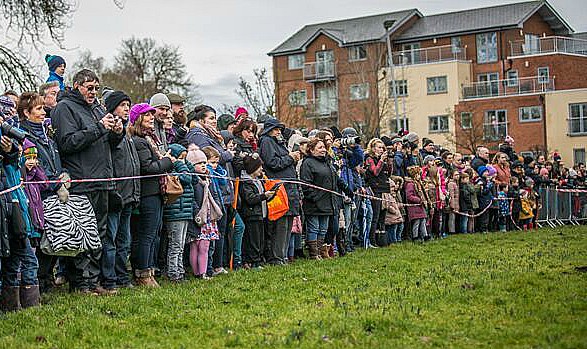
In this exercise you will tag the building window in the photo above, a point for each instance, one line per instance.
(411, 53)
(438, 124)
(512, 78)
(543, 75)
(436, 84)
(531, 44)
(401, 88)
(357, 53)
(577, 119)
(487, 47)
(490, 84)
(529, 114)
(495, 125)
(579, 156)
(466, 120)
(455, 44)
(296, 61)
(297, 98)
(359, 91)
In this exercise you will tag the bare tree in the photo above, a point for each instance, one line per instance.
(258, 96)
(468, 135)
(86, 60)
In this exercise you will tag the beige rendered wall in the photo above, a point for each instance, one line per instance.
(557, 124)
(419, 105)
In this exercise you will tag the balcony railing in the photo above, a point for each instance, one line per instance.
(316, 71)
(549, 44)
(507, 87)
(429, 55)
(322, 109)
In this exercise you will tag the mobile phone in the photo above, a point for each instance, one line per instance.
(276, 186)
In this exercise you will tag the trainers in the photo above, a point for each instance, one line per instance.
(372, 246)
(105, 291)
(219, 271)
(88, 292)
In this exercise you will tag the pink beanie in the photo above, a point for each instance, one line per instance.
(239, 111)
(544, 171)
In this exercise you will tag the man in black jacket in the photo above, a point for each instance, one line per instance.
(85, 134)
(126, 164)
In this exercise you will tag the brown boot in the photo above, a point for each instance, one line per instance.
(323, 249)
(29, 296)
(313, 249)
(10, 298)
(154, 282)
(143, 278)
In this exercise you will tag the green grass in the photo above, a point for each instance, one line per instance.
(497, 290)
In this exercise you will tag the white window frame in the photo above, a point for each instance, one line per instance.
(512, 81)
(435, 80)
(362, 87)
(543, 79)
(500, 126)
(575, 160)
(470, 125)
(439, 123)
(292, 58)
(487, 47)
(355, 53)
(401, 87)
(529, 111)
(456, 45)
(581, 118)
(297, 98)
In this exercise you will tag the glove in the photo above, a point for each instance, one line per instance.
(63, 194)
(65, 179)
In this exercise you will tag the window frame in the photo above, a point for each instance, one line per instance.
(515, 80)
(436, 91)
(456, 48)
(356, 49)
(541, 77)
(470, 120)
(359, 85)
(289, 60)
(298, 92)
(400, 85)
(521, 110)
(577, 161)
(485, 48)
(487, 124)
(581, 118)
(439, 123)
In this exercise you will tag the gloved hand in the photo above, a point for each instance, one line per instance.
(65, 179)
(63, 194)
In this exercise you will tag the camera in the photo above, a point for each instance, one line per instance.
(13, 132)
(348, 141)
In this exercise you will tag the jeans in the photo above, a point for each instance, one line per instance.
(115, 249)
(378, 219)
(316, 227)
(279, 232)
(464, 223)
(452, 217)
(237, 240)
(23, 259)
(394, 232)
(151, 208)
(368, 219)
(177, 231)
(419, 228)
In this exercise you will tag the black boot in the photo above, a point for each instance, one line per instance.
(29, 296)
(299, 253)
(340, 244)
(10, 298)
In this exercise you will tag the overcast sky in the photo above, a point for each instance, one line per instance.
(223, 39)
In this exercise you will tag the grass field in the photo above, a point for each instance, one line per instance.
(523, 290)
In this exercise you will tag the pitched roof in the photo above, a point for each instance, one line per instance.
(345, 32)
(475, 20)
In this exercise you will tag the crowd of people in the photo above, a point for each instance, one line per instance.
(179, 195)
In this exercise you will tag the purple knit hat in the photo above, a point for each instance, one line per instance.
(137, 110)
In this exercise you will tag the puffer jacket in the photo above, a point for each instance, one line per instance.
(182, 209)
(126, 164)
(393, 214)
(279, 165)
(84, 144)
(318, 171)
(466, 197)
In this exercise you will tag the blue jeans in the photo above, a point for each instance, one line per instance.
(394, 232)
(367, 227)
(151, 208)
(115, 249)
(21, 259)
(177, 231)
(237, 240)
(316, 227)
(464, 223)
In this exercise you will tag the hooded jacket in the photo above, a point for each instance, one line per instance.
(202, 139)
(84, 143)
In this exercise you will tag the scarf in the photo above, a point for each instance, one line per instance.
(213, 133)
(37, 130)
(218, 182)
(153, 140)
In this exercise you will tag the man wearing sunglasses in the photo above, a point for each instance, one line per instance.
(85, 133)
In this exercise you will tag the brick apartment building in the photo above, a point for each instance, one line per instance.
(462, 78)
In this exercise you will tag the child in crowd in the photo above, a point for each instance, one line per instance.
(516, 204)
(179, 213)
(207, 212)
(526, 211)
(394, 222)
(504, 207)
(485, 197)
(34, 173)
(253, 210)
(56, 65)
(453, 200)
(416, 196)
(467, 200)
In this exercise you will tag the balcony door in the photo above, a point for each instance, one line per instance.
(489, 84)
(324, 64)
(326, 100)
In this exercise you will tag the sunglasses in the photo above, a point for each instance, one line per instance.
(91, 88)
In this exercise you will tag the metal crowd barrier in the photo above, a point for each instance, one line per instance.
(562, 206)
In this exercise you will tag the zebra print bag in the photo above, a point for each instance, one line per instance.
(70, 228)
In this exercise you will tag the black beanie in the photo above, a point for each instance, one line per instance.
(54, 61)
(426, 141)
(113, 100)
(387, 141)
(252, 163)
